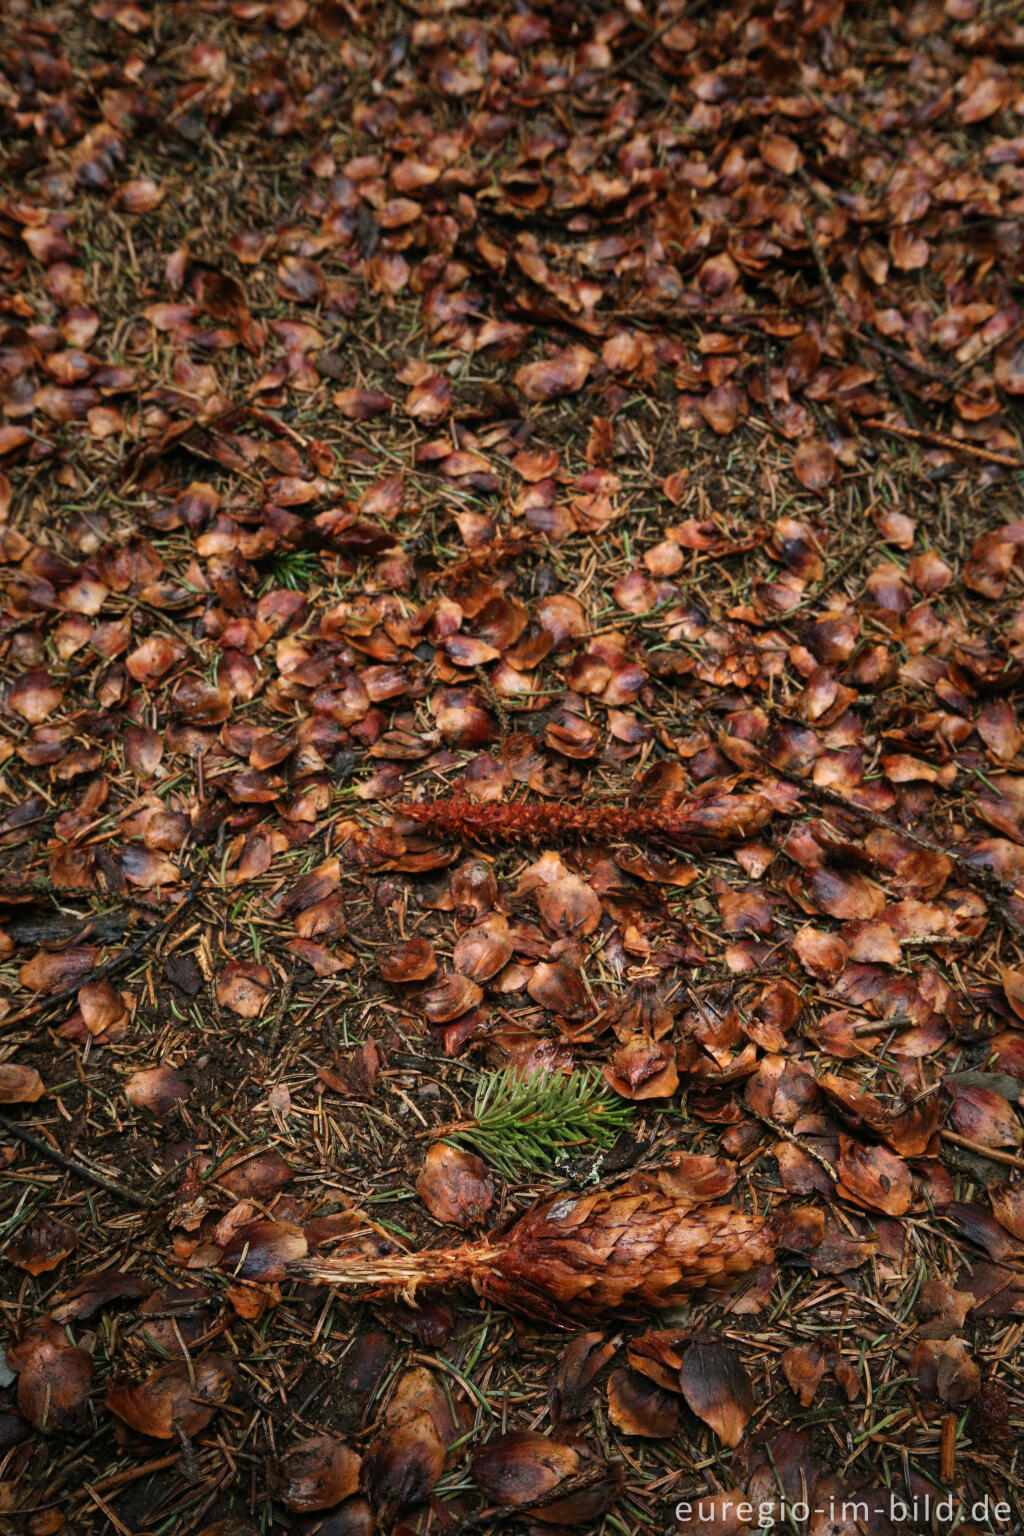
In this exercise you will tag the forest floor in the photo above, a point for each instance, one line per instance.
(414, 412)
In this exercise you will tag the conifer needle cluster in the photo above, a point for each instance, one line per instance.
(523, 1123)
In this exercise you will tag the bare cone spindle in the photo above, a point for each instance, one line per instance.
(712, 820)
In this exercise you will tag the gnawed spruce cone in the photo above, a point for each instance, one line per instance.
(712, 819)
(579, 1254)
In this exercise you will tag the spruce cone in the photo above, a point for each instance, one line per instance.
(580, 1254)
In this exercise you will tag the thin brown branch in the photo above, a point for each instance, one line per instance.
(71, 1165)
(1009, 1159)
(943, 440)
(982, 879)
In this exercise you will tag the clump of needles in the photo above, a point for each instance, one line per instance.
(524, 1122)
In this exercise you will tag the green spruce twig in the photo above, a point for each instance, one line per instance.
(522, 1123)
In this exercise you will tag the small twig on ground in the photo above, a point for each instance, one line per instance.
(819, 259)
(979, 1147)
(105, 1484)
(590, 1477)
(279, 1017)
(780, 1130)
(72, 1165)
(833, 110)
(106, 1510)
(986, 351)
(943, 440)
(138, 947)
(766, 380)
(985, 879)
(642, 48)
(132, 1474)
(904, 360)
(846, 325)
(857, 338)
(796, 1141)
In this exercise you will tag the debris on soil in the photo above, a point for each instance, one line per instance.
(510, 583)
